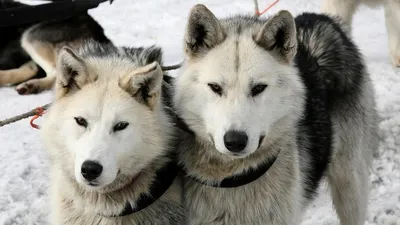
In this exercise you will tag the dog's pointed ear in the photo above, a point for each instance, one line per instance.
(72, 73)
(278, 35)
(144, 84)
(203, 31)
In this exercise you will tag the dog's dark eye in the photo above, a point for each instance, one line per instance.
(215, 88)
(258, 89)
(120, 126)
(81, 121)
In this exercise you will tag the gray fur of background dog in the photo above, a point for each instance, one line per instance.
(101, 85)
(300, 88)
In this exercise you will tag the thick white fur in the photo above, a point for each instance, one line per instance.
(233, 110)
(103, 97)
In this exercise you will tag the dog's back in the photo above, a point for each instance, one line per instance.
(340, 106)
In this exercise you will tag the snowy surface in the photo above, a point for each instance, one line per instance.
(23, 165)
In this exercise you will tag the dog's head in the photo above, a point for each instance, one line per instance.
(107, 122)
(239, 79)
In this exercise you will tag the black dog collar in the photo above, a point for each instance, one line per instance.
(241, 179)
(163, 180)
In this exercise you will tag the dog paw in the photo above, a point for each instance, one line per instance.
(29, 87)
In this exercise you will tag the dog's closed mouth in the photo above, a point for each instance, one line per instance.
(93, 184)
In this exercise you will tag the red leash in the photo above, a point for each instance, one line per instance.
(258, 13)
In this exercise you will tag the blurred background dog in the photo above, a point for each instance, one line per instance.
(346, 9)
(28, 52)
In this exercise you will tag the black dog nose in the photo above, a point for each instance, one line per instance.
(235, 141)
(91, 170)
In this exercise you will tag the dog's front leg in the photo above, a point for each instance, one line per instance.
(392, 20)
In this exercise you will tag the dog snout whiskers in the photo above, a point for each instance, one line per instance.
(91, 170)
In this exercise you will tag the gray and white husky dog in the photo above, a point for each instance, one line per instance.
(109, 136)
(273, 106)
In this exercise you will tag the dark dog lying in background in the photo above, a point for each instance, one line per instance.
(15, 64)
(28, 53)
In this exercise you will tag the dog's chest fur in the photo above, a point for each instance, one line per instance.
(267, 200)
(165, 211)
(252, 204)
(162, 212)
(70, 207)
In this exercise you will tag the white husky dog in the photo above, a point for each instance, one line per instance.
(274, 106)
(345, 9)
(107, 136)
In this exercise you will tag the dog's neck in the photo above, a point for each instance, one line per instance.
(202, 163)
(238, 180)
(162, 181)
(201, 166)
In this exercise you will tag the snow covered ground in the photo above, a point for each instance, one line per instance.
(23, 164)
